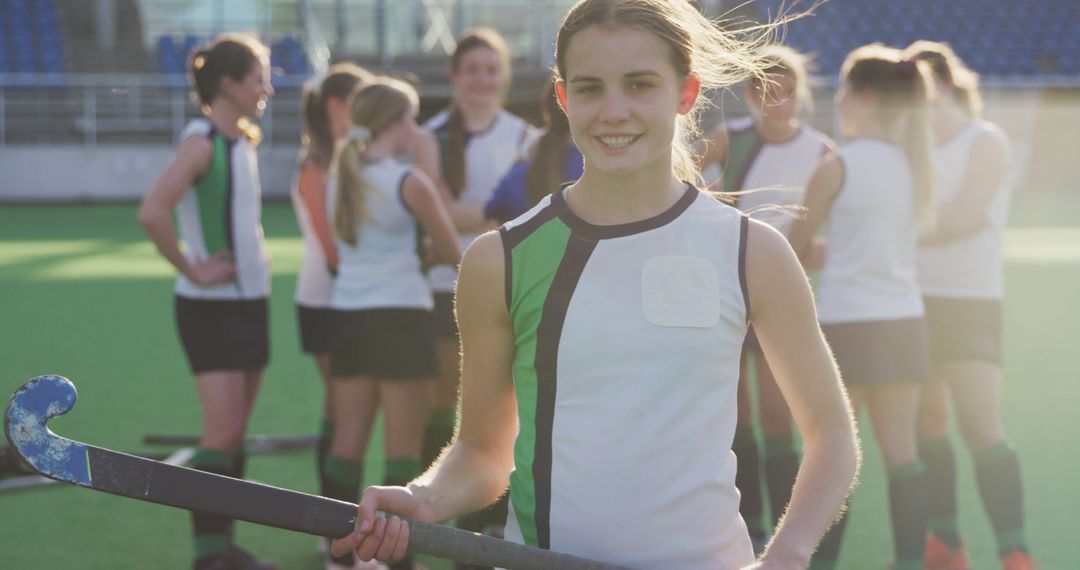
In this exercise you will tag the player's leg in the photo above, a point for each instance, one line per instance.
(893, 409)
(748, 454)
(976, 389)
(944, 547)
(781, 454)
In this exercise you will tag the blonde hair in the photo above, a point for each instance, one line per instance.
(949, 69)
(699, 46)
(903, 88)
(779, 59)
(375, 107)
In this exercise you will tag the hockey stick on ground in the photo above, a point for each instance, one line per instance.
(46, 397)
(253, 444)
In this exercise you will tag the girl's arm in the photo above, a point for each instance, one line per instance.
(155, 214)
(986, 174)
(312, 185)
(783, 315)
(474, 471)
(821, 190)
(422, 198)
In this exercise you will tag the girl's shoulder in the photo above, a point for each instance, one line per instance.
(197, 127)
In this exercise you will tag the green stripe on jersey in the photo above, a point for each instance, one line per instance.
(534, 262)
(740, 148)
(212, 191)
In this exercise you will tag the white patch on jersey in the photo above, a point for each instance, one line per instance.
(680, 291)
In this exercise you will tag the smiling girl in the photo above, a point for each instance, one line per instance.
(600, 385)
(221, 292)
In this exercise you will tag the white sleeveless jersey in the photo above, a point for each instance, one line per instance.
(314, 283)
(489, 155)
(772, 174)
(382, 271)
(627, 343)
(222, 211)
(969, 267)
(869, 271)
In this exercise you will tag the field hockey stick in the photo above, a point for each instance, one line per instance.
(46, 397)
(252, 444)
(178, 457)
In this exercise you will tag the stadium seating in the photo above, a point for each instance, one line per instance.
(1017, 38)
(286, 53)
(30, 37)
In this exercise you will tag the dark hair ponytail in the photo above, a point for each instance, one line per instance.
(229, 55)
(340, 81)
(548, 168)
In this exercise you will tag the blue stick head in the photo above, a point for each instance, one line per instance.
(32, 406)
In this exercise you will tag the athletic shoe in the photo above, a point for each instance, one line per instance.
(1018, 560)
(941, 556)
(243, 560)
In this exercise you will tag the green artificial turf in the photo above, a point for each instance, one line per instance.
(83, 294)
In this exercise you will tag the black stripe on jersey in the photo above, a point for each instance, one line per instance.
(229, 197)
(585, 229)
(744, 232)
(549, 333)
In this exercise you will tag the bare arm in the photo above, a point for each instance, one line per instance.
(155, 213)
(423, 200)
(782, 311)
(821, 190)
(312, 185)
(985, 175)
(474, 471)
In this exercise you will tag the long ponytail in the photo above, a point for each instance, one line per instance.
(903, 89)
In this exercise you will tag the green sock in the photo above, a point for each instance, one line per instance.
(438, 433)
(343, 477)
(401, 470)
(997, 472)
(908, 509)
(213, 533)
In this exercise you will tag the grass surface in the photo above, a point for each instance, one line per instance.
(84, 295)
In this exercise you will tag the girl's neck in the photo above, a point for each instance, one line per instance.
(477, 119)
(777, 132)
(225, 119)
(608, 199)
(949, 120)
(378, 149)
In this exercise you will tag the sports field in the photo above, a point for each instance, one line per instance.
(84, 295)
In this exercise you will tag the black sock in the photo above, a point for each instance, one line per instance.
(213, 533)
(781, 467)
(940, 462)
(908, 507)
(399, 471)
(997, 471)
(748, 481)
(342, 482)
(437, 435)
(322, 449)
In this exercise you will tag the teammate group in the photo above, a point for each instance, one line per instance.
(597, 352)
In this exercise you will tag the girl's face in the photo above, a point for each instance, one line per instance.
(250, 94)
(403, 132)
(478, 79)
(338, 112)
(777, 101)
(622, 96)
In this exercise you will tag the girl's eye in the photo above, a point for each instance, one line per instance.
(640, 85)
(588, 89)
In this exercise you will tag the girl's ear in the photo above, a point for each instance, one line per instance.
(560, 93)
(691, 88)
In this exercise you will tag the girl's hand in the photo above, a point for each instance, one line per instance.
(385, 539)
(217, 269)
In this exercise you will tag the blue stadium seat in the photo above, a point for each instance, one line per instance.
(1007, 38)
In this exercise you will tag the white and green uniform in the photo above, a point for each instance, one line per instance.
(222, 212)
(627, 343)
